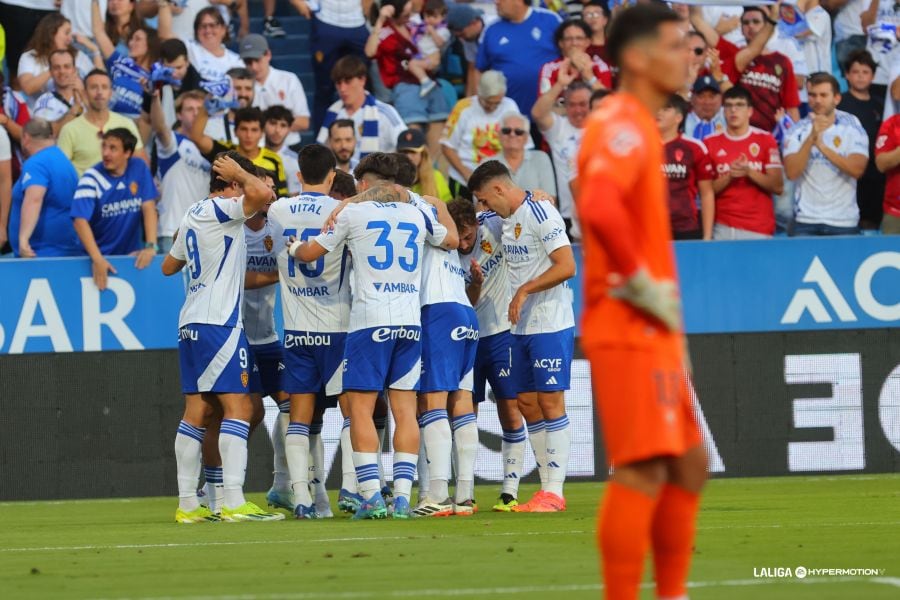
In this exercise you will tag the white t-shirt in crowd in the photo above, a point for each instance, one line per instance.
(183, 23)
(817, 45)
(564, 140)
(340, 13)
(78, 12)
(712, 14)
(5, 146)
(210, 66)
(882, 42)
(29, 63)
(847, 22)
(284, 88)
(474, 133)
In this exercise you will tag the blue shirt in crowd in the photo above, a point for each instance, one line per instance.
(519, 50)
(112, 205)
(127, 85)
(53, 235)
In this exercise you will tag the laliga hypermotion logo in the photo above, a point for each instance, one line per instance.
(808, 299)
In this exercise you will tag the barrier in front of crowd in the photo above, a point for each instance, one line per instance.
(794, 343)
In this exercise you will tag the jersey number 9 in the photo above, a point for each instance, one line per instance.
(193, 252)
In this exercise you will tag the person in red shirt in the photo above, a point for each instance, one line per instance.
(572, 37)
(768, 76)
(631, 327)
(748, 172)
(688, 171)
(391, 45)
(887, 159)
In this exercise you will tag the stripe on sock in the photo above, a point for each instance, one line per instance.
(346, 423)
(284, 407)
(404, 470)
(236, 428)
(367, 472)
(432, 416)
(295, 428)
(514, 436)
(380, 422)
(462, 420)
(189, 430)
(558, 424)
(315, 428)
(213, 474)
(537, 426)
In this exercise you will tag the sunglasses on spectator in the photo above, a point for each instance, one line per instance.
(511, 131)
(698, 51)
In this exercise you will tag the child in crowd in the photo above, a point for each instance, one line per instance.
(430, 35)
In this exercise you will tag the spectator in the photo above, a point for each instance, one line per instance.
(275, 87)
(530, 169)
(79, 139)
(472, 133)
(430, 35)
(278, 120)
(39, 223)
(343, 186)
(768, 76)
(121, 20)
(182, 170)
(378, 123)
(7, 233)
(248, 130)
(880, 20)
(221, 127)
(184, 78)
(19, 18)
(337, 29)
(114, 199)
(66, 101)
(129, 72)
(596, 15)
(748, 171)
(859, 102)
(342, 141)
(826, 153)
(563, 134)
(14, 113)
(688, 171)
(518, 45)
(726, 20)
(207, 51)
(572, 37)
(390, 44)
(849, 33)
(271, 26)
(814, 37)
(54, 32)
(468, 25)
(429, 181)
(887, 158)
(78, 12)
(706, 116)
(597, 97)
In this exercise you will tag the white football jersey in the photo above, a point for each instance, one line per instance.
(314, 296)
(211, 241)
(530, 235)
(386, 241)
(492, 308)
(442, 278)
(259, 304)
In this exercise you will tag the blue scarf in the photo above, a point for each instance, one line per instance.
(368, 137)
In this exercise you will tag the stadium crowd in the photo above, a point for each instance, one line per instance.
(763, 140)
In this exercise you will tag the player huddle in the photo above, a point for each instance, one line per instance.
(391, 301)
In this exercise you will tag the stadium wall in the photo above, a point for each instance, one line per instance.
(794, 342)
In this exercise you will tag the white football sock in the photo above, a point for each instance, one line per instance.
(187, 460)
(233, 449)
(380, 423)
(559, 439)
(348, 470)
(367, 473)
(281, 480)
(422, 466)
(214, 488)
(513, 448)
(436, 432)
(317, 463)
(296, 445)
(404, 472)
(465, 446)
(537, 435)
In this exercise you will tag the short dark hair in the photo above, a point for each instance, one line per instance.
(343, 185)
(171, 49)
(94, 72)
(822, 77)
(70, 52)
(242, 73)
(860, 57)
(757, 9)
(348, 67)
(485, 172)
(695, 33)
(251, 113)
(636, 23)
(406, 170)
(574, 22)
(434, 7)
(216, 184)
(599, 94)
(576, 86)
(462, 212)
(338, 123)
(380, 164)
(737, 92)
(278, 113)
(678, 102)
(128, 139)
(316, 162)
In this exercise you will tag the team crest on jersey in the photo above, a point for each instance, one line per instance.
(486, 245)
(319, 56)
(837, 141)
(778, 70)
(245, 378)
(281, 95)
(268, 243)
(518, 230)
(881, 141)
(679, 154)
(536, 34)
(754, 149)
(133, 186)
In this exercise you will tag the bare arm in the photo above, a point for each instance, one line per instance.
(702, 26)
(150, 218)
(32, 84)
(887, 160)
(772, 181)
(720, 183)
(164, 24)
(747, 54)
(561, 269)
(451, 240)
(172, 265)
(868, 16)
(256, 279)
(310, 251)
(300, 124)
(476, 279)
(794, 164)
(203, 142)
(472, 78)
(371, 48)
(158, 121)
(707, 208)
(542, 111)
(256, 192)
(103, 42)
(452, 157)
(100, 267)
(31, 210)
(853, 165)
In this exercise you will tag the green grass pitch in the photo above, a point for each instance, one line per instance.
(131, 549)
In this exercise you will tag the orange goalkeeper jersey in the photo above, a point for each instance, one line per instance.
(623, 209)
